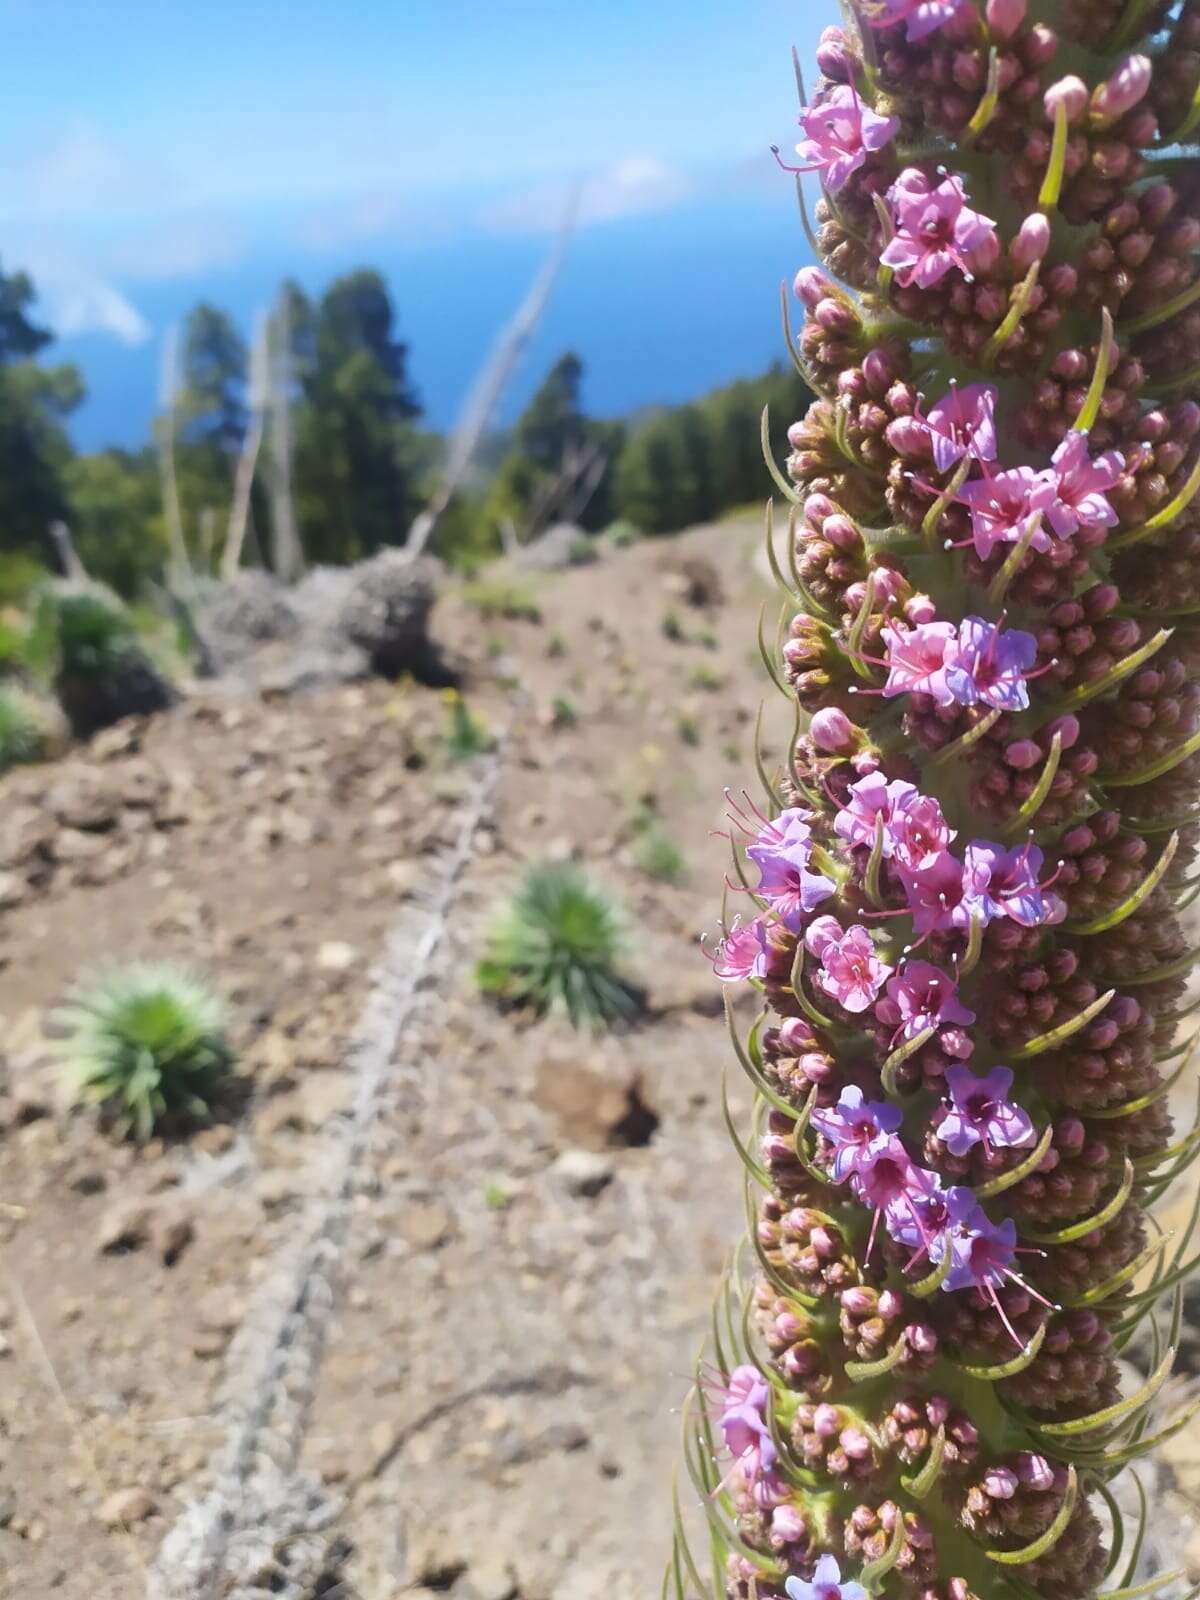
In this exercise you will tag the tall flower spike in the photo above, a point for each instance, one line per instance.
(964, 931)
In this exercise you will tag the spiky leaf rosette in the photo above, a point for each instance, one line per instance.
(555, 947)
(960, 902)
(147, 1042)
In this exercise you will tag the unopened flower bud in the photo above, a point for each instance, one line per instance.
(1004, 18)
(1070, 92)
(1125, 89)
(834, 56)
(831, 730)
(811, 286)
(1031, 242)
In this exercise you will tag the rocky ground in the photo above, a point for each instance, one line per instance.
(531, 1250)
(527, 1253)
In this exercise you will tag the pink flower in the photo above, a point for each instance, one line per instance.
(851, 972)
(839, 131)
(921, 996)
(915, 832)
(915, 660)
(742, 953)
(827, 1584)
(936, 230)
(923, 17)
(1002, 505)
(852, 1126)
(963, 423)
(1082, 481)
(935, 897)
(987, 666)
(1126, 88)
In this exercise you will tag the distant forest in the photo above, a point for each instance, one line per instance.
(321, 397)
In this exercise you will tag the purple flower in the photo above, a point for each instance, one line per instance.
(742, 1418)
(963, 423)
(884, 1176)
(918, 1218)
(936, 897)
(982, 1251)
(1081, 488)
(915, 658)
(922, 16)
(921, 996)
(1002, 505)
(1004, 883)
(987, 666)
(980, 1112)
(781, 851)
(850, 970)
(839, 131)
(936, 230)
(826, 1584)
(852, 1126)
(742, 953)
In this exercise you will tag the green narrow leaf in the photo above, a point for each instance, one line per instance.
(1090, 410)
(1101, 1291)
(873, 1574)
(1012, 563)
(1168, 969)
(899, 1056)
(1109, 680)
(1114, 1413)
(859, 628)
(749, 1066)
(924, 1287)
(786, 489)
(1037, 799)
(759, 1175)
(789, 340)
(1151, 1586)
(1016, 311)
(1039, 1547)
(772, 670)
(806, 1005)
(772, 558)
(1006, 1369)
(1153, 769)
(1080, 1230)
(1006, 1180)
(773, 796)
(864, 1371)
(959, 747)
(986, 109)
(920, 1484)
(1163, 312)
(1113, 918)
(874, 862)
(1052, 184)
(1113, 1459)
(974, 948)
(937, 510)
(1065, 1030)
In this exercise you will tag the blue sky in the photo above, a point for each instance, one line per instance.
(150, 146)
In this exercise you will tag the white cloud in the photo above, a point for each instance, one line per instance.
(631, 187)
(91, 306)
(79, 174)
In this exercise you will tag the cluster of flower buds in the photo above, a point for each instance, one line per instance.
(958, 904)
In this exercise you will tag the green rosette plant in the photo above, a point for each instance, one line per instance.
(960, 904)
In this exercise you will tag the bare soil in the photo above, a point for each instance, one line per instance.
(531, 1254)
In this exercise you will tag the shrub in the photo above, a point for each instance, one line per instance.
(555, 947)
(503, 597)
(85, 644)
(147, 1042)
(659, 857)
(688, 729)
(465, 735)
(24, 734)
(622, 533)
